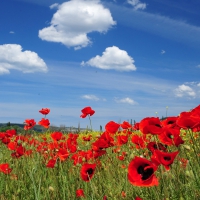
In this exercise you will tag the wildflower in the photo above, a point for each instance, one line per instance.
(188, 120)
(29, 123)
(87, 171)
(80, 193)
(112, 127)
(56, 136)
(44, 122)
(51, 163)
(152, 146)
(87, 111)
(139, 141)
(44, 111)
(164, 158)
(5, 168)
(126, 125)
(171, 136)
(138, 198)
(151, 125)
(141, 172)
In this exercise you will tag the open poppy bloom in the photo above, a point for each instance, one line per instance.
(44, 111)
(126, 125)
(87, 171)
(87, 111)
(29, 123)
(151, 125)
(141, 172)
(164, 158)
(56, 135)
(44, 122)
(152, 146)
(188, 120)
(112, 127)
(171, 136)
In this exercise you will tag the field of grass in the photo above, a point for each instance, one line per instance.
(152, 160)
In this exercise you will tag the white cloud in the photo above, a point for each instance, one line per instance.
(126, 100)
(137, 4)
(11, 32)
(12, 57)
(163, 52)
(90, 97)
(55, 5)
(198, 66)
(74, 20)
(198, 84)
(184, 90)
(112, 58)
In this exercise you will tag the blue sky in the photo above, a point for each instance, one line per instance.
(127, 59)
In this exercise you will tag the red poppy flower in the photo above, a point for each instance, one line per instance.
(122, 139)
(152, 146)
(112, 127)
(29, 123)
(164, 158)
(188, 120)
(44, 122)
(51, 163)
(11, 133)
(80, 193)
(87, 171)
(139, 141)
(125, 125)
(45, 111)
(56, 136)
(104, 141)
(151, 125)
(87, 111)
(171, 136)
(170, 122)
(5, 168)
(63, 154)
(136, 126)
(141, 172)
(20, 150)
(138, 198)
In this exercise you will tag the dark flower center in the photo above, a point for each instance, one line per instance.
(167, 158)
(158, 125)
(145, 173)
(170, 136)
(170, 122)
(90, 171)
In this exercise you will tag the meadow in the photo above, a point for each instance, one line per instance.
(151, 160)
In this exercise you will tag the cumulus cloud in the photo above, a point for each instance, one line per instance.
(74, 20)
(137, 4)
(185, 90)
(112, 58)
(90, 97)
(12, 57)
(126, 100)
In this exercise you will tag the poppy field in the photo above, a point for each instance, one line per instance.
(153, 159)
